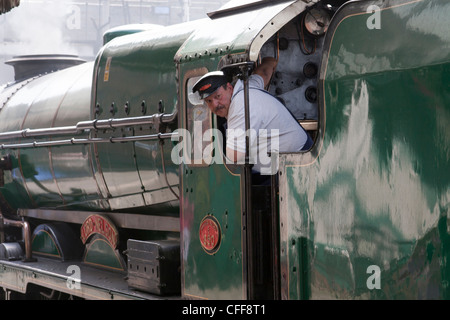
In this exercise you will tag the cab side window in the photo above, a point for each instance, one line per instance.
(198, 125)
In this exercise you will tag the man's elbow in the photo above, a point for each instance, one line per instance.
(266, 69)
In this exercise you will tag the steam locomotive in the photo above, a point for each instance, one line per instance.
(114, 184)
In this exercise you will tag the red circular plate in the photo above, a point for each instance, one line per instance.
(210, 234)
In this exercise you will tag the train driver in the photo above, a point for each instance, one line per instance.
(271, 123)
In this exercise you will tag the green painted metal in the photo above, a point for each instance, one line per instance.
(128, 29)
(233, 34)
(44, 177)
(58, 241)
(217, 189)
(213, 189)
(135, 77)
(140, 82)
(99, 253)
(373, 194)
(43, 243)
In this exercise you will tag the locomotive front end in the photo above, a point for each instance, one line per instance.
(86, 160)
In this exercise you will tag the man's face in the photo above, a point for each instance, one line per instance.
(219, 101)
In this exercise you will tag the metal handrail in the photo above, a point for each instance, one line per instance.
(55, 143)
(107, 124)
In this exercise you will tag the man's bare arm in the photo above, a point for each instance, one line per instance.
(266, 69)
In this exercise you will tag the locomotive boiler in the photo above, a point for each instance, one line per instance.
(114, 183)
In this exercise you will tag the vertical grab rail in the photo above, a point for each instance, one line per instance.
(248, 188)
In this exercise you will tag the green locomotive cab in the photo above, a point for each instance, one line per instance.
(218, 196)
